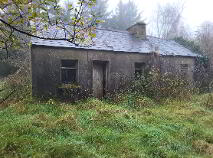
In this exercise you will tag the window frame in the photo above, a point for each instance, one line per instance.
(75, 67)
(142, 66)
(184, 69)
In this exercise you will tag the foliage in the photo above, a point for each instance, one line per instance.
(95, 128)
(162, 86)
(190, 44)
(9, 40)
(17, 86)
(100, 10)
(209, 101)
(6, 69)
(33, 18)
(204, 37)
(133, 100)
(203, 74)
(72, 92)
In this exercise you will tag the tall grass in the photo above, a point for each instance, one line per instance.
(94, 128)
(131, 125)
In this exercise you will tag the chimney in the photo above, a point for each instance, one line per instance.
(138, 30)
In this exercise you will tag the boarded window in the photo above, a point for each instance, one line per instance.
(139, 69)
(69, 71)
(184, 69)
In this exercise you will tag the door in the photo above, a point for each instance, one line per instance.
(99, 78)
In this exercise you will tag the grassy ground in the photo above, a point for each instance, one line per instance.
(102, 129)
(1, 88)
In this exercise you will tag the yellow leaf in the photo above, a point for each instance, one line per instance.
(34, 14)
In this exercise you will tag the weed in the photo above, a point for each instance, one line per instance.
(209, 101)
(133, 127)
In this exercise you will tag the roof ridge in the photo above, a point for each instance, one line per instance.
(123, 41)
(159, 38)
(112, 30)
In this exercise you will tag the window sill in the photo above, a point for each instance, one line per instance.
(69, 86)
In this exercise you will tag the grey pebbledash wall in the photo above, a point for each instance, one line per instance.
(46, 63)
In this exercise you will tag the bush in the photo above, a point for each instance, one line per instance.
(161, 86)
(209, 101)
(18, 85)
(6, 69)
(72, 92)
(133, 100)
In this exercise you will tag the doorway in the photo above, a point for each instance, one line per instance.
(99, 78)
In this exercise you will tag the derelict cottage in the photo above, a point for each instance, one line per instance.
(113, 57)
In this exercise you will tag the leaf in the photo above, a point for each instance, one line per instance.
(46, 27)
(99, 21)
(33, 28)
(70, 6)
(93, 35)
(34, 15)
(4, 1)
(10, 20)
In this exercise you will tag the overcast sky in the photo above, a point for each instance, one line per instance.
(195, 11)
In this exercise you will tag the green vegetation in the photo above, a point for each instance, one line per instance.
(155, 117)
(128, 127)
(6, 69)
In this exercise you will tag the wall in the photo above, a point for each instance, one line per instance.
(173, 65)
(46, 67)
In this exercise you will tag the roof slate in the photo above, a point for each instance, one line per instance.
(122, 41)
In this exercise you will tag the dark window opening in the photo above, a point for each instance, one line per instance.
(139, 70)
(68, 71)
(184, 69)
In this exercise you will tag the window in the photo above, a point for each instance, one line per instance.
(68, 71)
(139, 69)
(184, 69)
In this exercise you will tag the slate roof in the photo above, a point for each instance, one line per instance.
(122, 41)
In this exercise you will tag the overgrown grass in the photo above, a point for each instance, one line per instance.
(94, 128)
(2, 89)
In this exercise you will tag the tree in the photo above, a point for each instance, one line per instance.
(190, 44)
(167, 20)
(126, 14)
(67, 11)
(205, 39)
(34, 17)
(100, 9)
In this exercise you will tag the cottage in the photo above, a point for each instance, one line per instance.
(114, 57)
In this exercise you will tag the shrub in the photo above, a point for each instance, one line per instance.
(203, 147)
(203, 74)
(72, 92)
(6, 69)
(130, 99)
(209, 101)
(18, 85)
(161, 86)
(143, 102)
(154, 85)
